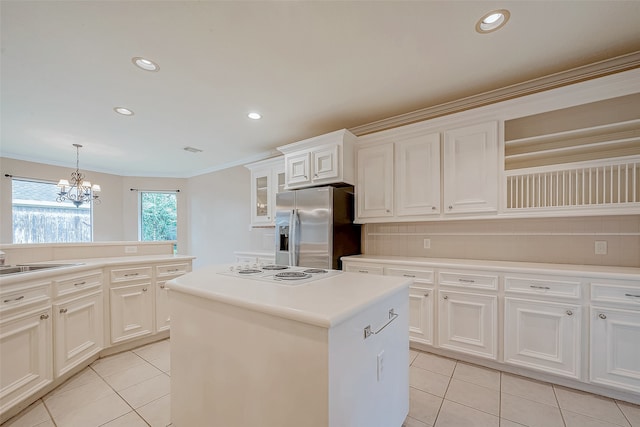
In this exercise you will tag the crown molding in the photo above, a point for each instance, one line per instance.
(564, 78)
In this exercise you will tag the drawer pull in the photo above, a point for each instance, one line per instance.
(632, 295)
(173, 270)
(569, 313)
(539, 287)
(363, 271)
(144, 289)
(63, 310)
(602, 316)
(445, 297)
(161, 286)
(80, 284)
(409, 275)
(367, 330)
(466, 280)
(131, 274)
(44, 316)
(427, 294)
(14, 299)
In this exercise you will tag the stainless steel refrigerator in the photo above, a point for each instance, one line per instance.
(314, 227)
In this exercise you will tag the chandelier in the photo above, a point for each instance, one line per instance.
(78, 191)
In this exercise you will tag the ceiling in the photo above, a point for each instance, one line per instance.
(308, 67)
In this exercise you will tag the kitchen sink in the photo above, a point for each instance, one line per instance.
(25, 268)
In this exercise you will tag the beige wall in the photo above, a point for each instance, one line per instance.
(116, 218)
(554, 240)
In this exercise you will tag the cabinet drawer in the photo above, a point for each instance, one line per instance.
(172, 269)
(544, 286)
(24, 295)
(69, 285)
(363, 268)
(616, 292)
(131, 273)
(468, 279)
(419, 275)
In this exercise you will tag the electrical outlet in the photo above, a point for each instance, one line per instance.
(427, 243)
(601, 247)
(130, 249)
(380, 365)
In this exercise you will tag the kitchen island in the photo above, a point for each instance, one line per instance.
(329, 351)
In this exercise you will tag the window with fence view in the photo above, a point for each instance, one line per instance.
(158, 215)
(39, 218)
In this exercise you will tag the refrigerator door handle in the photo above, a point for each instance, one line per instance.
(292, 237)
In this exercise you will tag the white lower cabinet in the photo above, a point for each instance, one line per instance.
(468, 322)
(543, 335)
(78, 330)
(614, 320)
(131, 311)
(421, 314)
(26, 362)
(163, 319)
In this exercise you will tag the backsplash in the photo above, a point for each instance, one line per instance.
(554, 240)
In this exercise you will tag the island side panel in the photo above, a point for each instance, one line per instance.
(361, 394)
(231, 366)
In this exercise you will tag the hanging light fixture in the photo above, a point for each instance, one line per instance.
(78, 191)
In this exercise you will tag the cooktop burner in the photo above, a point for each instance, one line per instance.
(275, 267)
(249, 271)
(291, 275)
(315, 271)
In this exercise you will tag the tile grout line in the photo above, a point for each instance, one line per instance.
(46, 408)
(623, 414)
(558, 402)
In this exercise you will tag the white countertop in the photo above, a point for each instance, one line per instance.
(78, 265)
(325, 302)
(622, 273)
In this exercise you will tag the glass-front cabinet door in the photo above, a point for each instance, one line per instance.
(267, 179)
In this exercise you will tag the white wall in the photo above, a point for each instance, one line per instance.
(219, 215)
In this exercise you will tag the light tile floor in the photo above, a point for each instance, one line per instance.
(132, 389)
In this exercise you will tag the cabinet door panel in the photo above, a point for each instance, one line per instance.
(25, 356)
(471, 169)
(374, 190)
(163, 319)
(260, 198)
(543, 335)
(325, 164)
(78, 331)
(615, 346)
(418, 175)
(421, 315)
(468, 323)
(298, 169)
(131, 311)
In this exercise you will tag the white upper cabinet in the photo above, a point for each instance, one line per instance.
(471, 169)
(267, 179)
(374, 188)
(325, 159)
(418, 175)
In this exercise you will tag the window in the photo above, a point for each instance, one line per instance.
(38, 218)
(158, 215)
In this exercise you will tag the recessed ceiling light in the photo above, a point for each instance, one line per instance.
(145, 64)
(492, 21)
(123, 111)
(254, 116)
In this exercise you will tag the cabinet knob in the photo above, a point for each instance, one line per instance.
(450, 207)
(44, 316)
(315, 175)
(602, 316)
(144, 289)
(569, 313)
(433, 208)
(445, 297)
(161, 286)
(63, 310)
(388, 211)
(427, 294)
